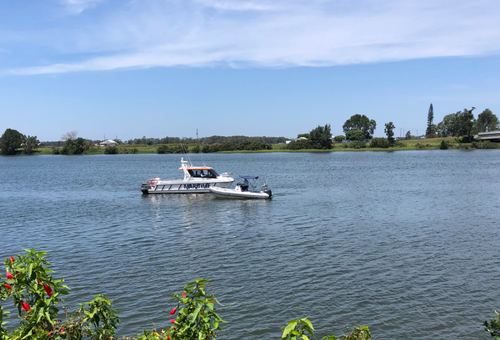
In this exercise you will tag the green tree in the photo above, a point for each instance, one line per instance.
(389, 131)
(10, 141)
(465, 123)
(430, 118)
(321, 137)
(76, 146)
(360, 122)
(355, 135)
(339, 138)
(487, 121)
(30, 144)
(448, 126)
(408, 135)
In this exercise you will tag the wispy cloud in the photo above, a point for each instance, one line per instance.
(78, 6)
(277, 33)
(232, 5)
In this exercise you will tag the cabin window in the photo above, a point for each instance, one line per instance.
(206, 173)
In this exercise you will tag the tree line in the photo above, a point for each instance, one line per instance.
(359, 128)
(205, 140)
(12, 140)
(461, 124)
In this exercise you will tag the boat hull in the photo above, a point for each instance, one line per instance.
(234, 193)
(183, 187)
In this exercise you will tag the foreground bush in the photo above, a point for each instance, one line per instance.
(493, 326)
(35, 294)
(300, 328)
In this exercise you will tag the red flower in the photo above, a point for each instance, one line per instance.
(172, 320)
(17, 272)
(183, 295)
(168, 338)
(25, 306)
(172, 312)
(12, 259)
(62, 330)
(48, 290)
(9, 276)
(7, 286)
(40, 282)
(49, 333)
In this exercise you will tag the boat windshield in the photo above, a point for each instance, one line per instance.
(203, 173)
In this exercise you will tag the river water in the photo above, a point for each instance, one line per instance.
(404, 242)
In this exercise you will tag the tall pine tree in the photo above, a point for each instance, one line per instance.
(430, 118)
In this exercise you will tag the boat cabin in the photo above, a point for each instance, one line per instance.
(202, 172)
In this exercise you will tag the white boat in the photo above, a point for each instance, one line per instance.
(197, 179)
(244, 190)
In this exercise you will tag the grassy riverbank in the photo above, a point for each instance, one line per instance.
(414, 144)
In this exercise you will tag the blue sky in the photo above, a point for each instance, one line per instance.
(156, 68)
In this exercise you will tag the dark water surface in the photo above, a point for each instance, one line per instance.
(405, 242)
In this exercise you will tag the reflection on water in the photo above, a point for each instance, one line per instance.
(405, 242)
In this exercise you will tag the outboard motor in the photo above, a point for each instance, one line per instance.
(145, 187)
(266, 190)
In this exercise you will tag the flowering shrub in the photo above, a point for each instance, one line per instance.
(296, 330)
(196, 316)
(493, 326)
(35, 294)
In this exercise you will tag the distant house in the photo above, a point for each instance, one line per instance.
(294, 140)
(492, 136)
(108, 142)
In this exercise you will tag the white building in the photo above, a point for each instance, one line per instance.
(108, 142)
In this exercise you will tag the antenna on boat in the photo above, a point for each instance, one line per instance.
(185, 150)
(199, 150)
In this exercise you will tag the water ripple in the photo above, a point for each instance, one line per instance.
(403, 242)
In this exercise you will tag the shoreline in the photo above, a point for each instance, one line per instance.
(450, 143)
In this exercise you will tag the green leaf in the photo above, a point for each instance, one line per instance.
(289, 327)
(30, 269)
(40, 314)
(49, 319)
(306, 322)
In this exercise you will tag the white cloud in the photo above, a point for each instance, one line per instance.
(276, 33)
(232, 5)
(78, 6)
